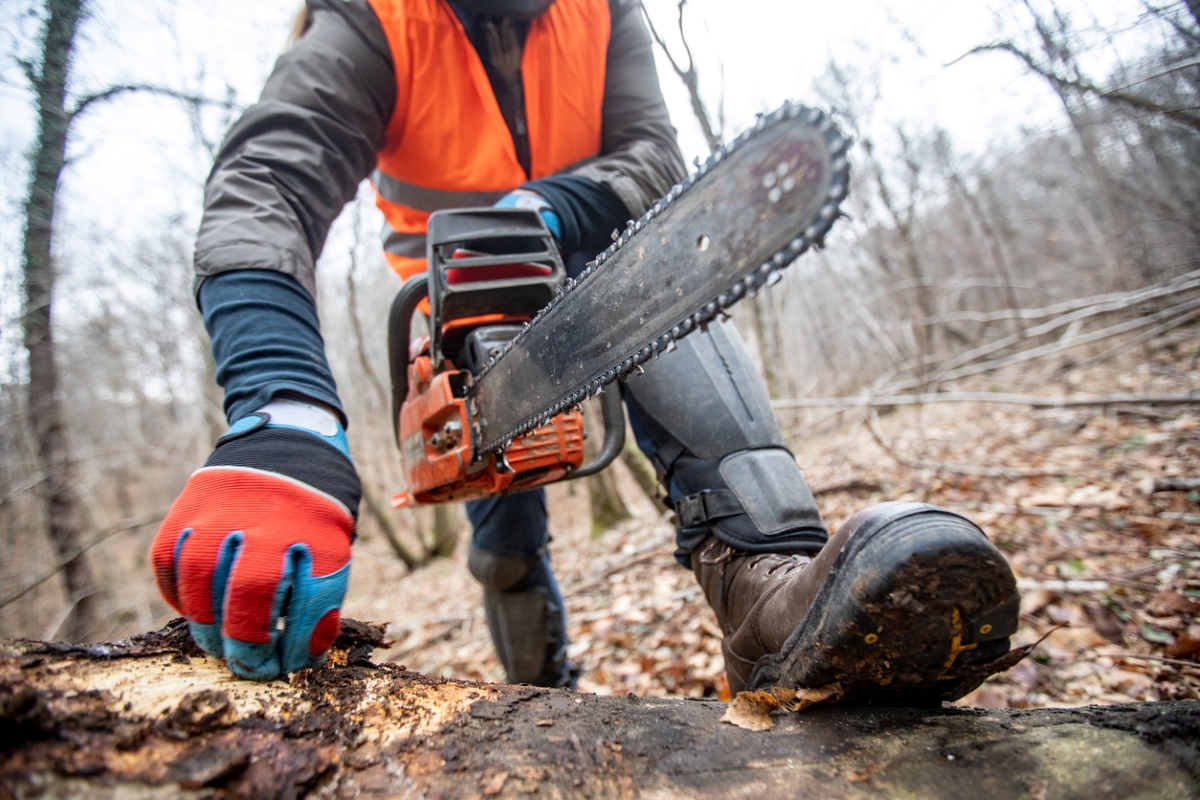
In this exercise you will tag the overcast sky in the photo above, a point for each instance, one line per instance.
(136, 160)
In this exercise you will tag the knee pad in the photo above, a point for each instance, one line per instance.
(499, 572)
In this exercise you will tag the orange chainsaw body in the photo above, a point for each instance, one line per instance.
(473, 292)
(436, 445)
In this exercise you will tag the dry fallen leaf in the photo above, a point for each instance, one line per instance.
(752, 710)
(810, 697)
(496, 784)
(1175, 603)
(1184, 646)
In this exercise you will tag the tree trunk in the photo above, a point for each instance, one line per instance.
(63, 517)
(381, 513)
(445, 531)
(149, 718)
(639, 466)
(1193, 6)
(608, 505)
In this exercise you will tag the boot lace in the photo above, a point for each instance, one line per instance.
(787, 563)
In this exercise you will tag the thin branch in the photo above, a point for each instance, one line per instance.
(162, 91)
(1177, 285)
(847, 485)
(129, 524)
(1083, 85)
(1054, 347)
(647, 552)
(1195, 62)
(1144, 336)
(1175, 662)
(1107, 305)
(27, 69)
(378, 509)
(24, 487)
(680, 71)
(689, 76)
(1032, 401)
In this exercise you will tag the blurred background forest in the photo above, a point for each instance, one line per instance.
(1025, 205)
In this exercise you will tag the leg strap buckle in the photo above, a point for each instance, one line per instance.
(702, 507)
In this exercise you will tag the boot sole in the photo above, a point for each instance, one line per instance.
(929, 604)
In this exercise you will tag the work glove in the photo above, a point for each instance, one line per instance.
(523, 198)
(261, 534)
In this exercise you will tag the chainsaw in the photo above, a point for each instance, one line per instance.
(488, 401)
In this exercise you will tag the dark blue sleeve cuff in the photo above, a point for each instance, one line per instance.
(266, 341)
(588, 210)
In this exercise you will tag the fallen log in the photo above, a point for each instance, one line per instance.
(151, 717)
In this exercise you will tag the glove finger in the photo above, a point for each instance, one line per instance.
(313, 613)
(164, 556)
(259, 585)
(204, 563)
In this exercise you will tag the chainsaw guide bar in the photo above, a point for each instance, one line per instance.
(718, 236)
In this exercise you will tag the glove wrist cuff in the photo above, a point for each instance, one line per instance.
(293, 453)
(297, 415)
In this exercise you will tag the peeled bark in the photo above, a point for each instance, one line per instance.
(149, 717)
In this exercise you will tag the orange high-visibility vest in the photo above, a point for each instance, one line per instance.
(447, 143)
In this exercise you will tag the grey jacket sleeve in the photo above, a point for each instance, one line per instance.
(297, 156)
(639, 158)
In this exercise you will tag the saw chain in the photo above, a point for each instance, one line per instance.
(719, 236)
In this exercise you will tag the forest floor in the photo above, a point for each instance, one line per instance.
(1072, 496)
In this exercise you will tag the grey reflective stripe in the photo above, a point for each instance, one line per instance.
(408, 245)
(421, 198)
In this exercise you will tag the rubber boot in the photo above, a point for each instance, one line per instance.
(907, 604)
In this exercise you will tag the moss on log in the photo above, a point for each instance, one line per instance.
(151, 717)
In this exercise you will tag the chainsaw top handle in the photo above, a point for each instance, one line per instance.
(485, 261)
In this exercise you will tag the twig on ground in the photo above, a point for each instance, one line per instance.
(1033, 401)
(958, 469)
(640, 556)
(1115, 350)
(850, 484)
(1172, 661)
(1174, 485)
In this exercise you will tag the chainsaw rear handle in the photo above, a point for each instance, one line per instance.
(414, 290)
(614, 434)
(407, 300)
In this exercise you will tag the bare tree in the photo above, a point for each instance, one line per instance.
(688, 74)
(48, 76)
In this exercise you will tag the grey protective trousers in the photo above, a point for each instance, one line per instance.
(702, 415)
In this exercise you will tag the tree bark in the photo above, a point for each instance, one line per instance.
(63, 517)
(148, 717)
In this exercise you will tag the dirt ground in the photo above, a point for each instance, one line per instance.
(1071, 495)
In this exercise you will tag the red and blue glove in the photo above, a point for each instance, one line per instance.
(523, 198)
(260, 534)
